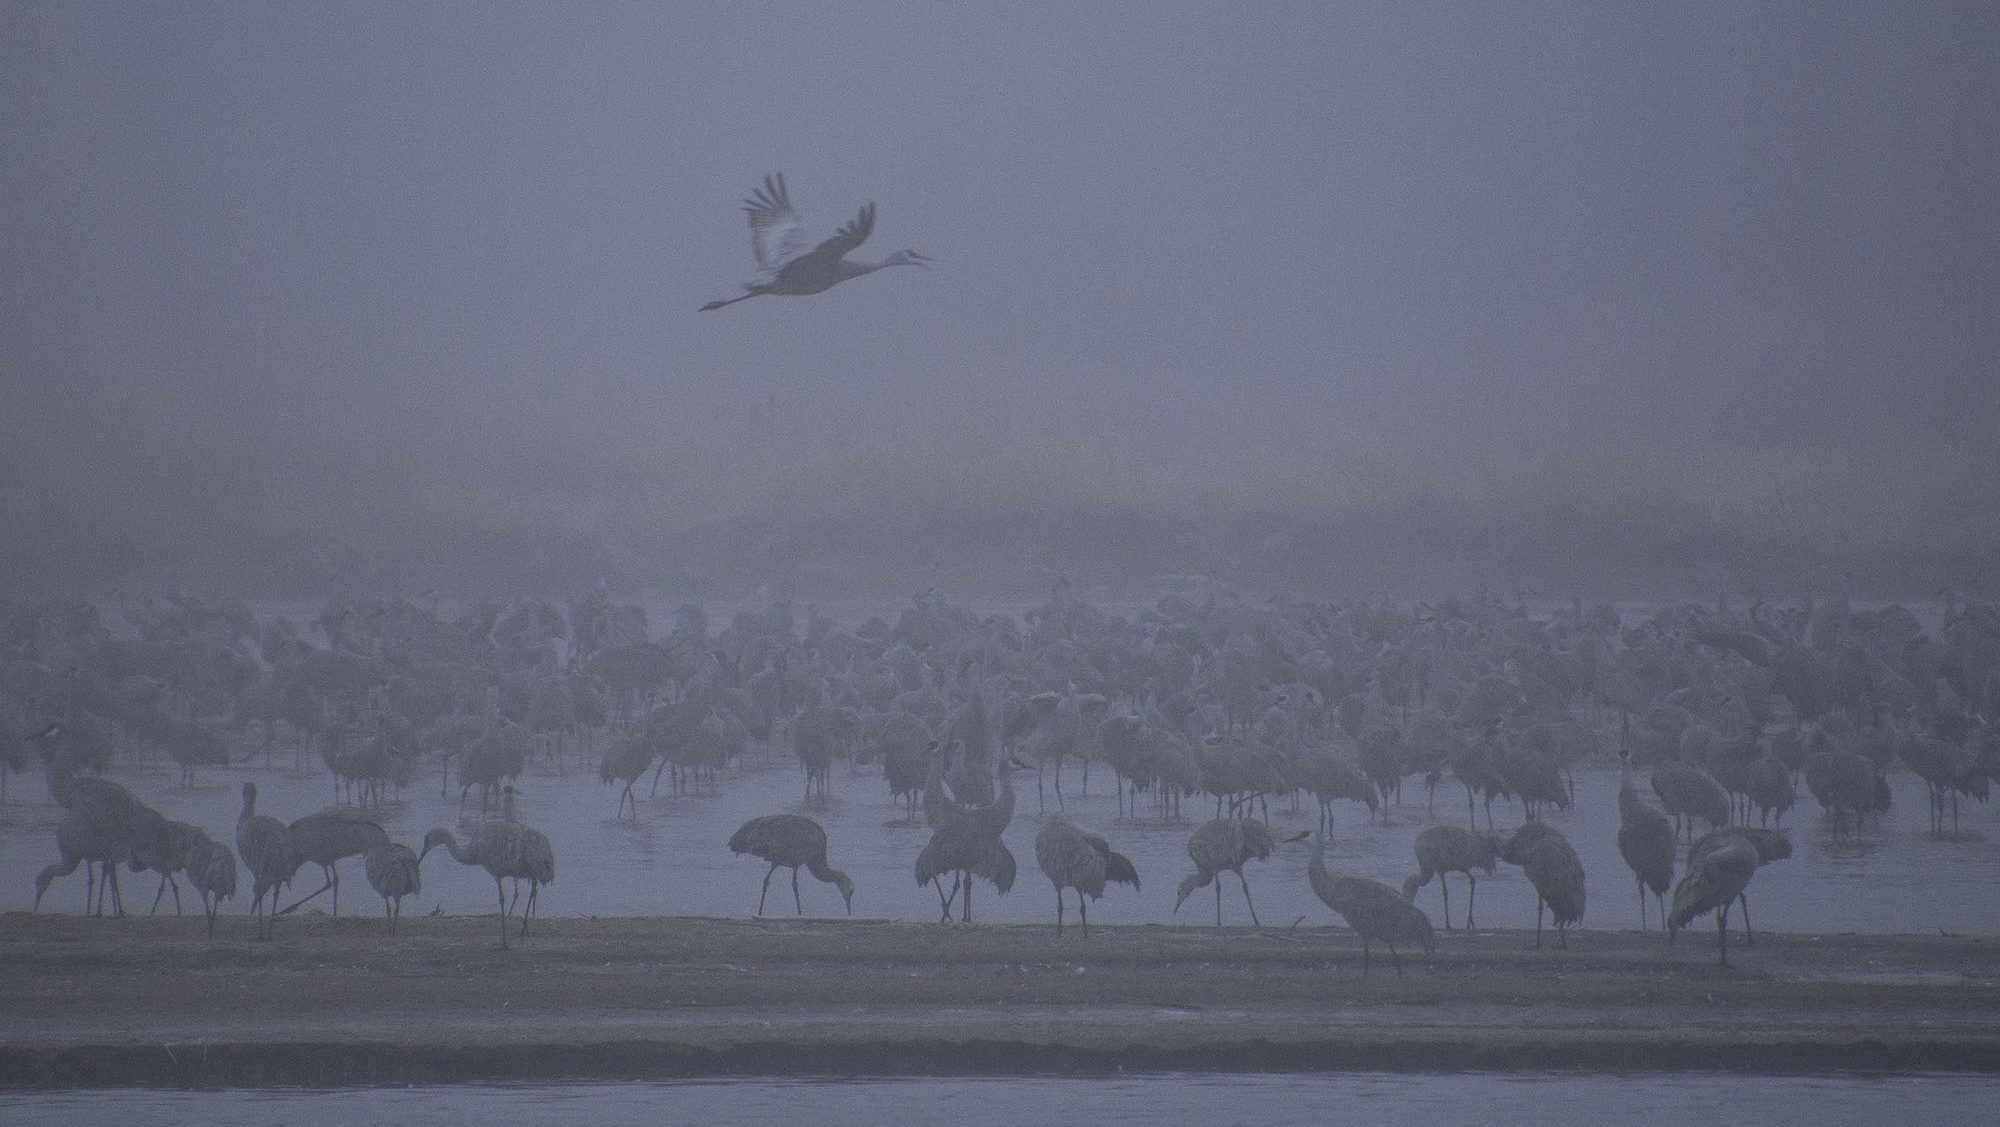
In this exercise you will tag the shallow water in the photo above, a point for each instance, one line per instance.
(671, 859)
(1549, 1099)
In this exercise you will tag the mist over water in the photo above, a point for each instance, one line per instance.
(1628, 300)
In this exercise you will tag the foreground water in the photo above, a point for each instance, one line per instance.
(1547, 1099)
(671, 860)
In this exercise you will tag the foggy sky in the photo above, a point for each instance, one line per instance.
(307, 295)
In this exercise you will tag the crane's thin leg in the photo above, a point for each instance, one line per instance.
(1538, 919)
(767, 887)
(1082, 910)
(1641, 882)
(1722, 932)
(333, 878)
(1218, 902)
(388, 915)
(796, 902)
(1059, 909)
(296, 905)
(1254, 921)
(965, 884)
(1444, 883)
(500, 891)
(1471, 890)
(155, 909)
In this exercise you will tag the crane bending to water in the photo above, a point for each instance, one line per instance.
(788, 268)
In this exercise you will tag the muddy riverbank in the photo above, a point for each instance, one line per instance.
(339, 1001)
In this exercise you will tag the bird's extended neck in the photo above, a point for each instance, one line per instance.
(729, 301)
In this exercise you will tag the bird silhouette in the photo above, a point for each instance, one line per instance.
(1075, 858)
(265, 845)
(96, 843)
(211, 872)
(1373, 909)
(1714, 880)
(394, 871)
(328, 837)
(790, 841)
(1688, 794)
(506, 850)
(1226, 845)
(966, 848)
(787, 268)
(165, 847)
(967, 839)
(1719, 867)
(1554, 870)
(1449, 849)
(1647, 841)
(626, 761)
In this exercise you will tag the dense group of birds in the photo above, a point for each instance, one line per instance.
(1716, 715)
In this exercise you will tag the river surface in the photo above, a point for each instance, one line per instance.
(671, 859)
(1382, 1099)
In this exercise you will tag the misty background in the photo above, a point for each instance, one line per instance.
(1635, 299)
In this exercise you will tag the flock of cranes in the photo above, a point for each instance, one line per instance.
(1717, 715)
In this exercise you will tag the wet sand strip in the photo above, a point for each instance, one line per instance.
(339, 1002)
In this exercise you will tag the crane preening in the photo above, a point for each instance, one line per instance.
(788, 265)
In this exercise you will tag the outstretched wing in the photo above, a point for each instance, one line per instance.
(856, 232)
(776, 236)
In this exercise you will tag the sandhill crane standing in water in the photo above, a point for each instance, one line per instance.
(1227, 844)
(1372, 909)
(394, 871)
(791, 841)
(265, 844)
(505, 849)
(1448, 849)
(788, 268)
(1074, 858)
(1688, 794)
